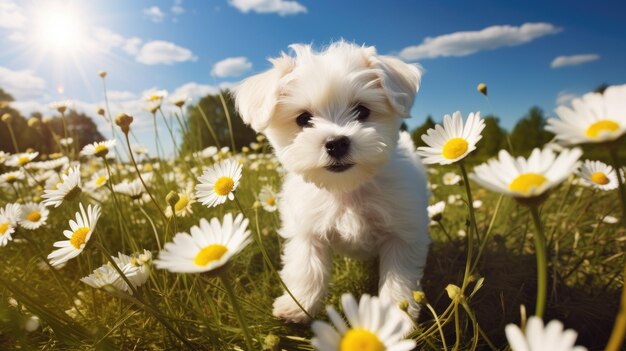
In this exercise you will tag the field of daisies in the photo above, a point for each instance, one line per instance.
(108, 247)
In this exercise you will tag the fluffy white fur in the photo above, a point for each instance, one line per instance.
(375, 208)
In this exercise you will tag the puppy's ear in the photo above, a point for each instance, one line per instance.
(400, 80)
(256, 97)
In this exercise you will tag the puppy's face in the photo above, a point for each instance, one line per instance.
(333, 117)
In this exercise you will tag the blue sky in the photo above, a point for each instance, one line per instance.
(528, 52)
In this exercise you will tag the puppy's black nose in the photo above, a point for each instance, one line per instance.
(338, 147)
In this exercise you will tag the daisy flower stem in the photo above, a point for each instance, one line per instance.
(118, 208)
(269, 263)
(443, 229)
(169, 130)
(132, 159)
(457, 327)
(472, 316)
(230, 124)
(17, 194)
(156, 235)
(439, 326)
(542, 263)
(619, 329)
(209, 127)
(33, 177)
(620, 182)
(233, 300)
(13, 140)
(473, 229)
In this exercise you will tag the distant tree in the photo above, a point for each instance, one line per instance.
(199, 135)
(79, 126)
(417, 133)
(529, 132)
(493, 140)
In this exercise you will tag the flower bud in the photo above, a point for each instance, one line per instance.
(33, 122)
(6, 117)
(102, 74)
(404, 305)
(271, 342)
(123, 121)
(419, 297)
(172, 198)
(482, 88)
(100, 111)
(454, 292)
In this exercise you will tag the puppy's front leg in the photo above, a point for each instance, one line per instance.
(306, 272)
(401, 268)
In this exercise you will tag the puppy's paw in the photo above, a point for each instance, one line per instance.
(285, 308)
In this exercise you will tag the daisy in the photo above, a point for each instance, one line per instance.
(55, 164)
(218, 183)
(11, 177)
(33, 215)
(97, 180)
(106, 275)
(451, 178)
(536, 337)
(11, 212)
(78, 236)
(209, 246)
(268, 199)
(435, 212)
(140, 265)
(453, 141)
(526, 178)
(68, 189)
(19, 160)
(373, 325)
(133, 189)
(66, 141)
(98, 149)
(593, 118)
(183, 205)
(598, 175)
(7, 227)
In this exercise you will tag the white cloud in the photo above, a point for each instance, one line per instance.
(467, 43)
(565, 98)
(573, 60)
(24, 84)
(163, 52)
(282, 7)
(154, 13)
(11, 15)
(177, 8)
(231, 67)
(120, 95)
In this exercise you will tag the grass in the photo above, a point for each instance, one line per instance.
(585, 257)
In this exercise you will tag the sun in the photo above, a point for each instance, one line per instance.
(58, 29)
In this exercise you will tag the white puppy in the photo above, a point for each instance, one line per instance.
(353, 183)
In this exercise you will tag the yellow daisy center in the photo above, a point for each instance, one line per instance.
(601, 127)
(10, 178)
(147, 167)
(360, 340)
(22, 160)
(101, 180)
(454, 148)
(101, 148)
(524, 183)
(209, 254)
(224, 186)
(4, 227)
(600, 178)
(181, 203)
(34, 216)
(271, 201)
(79, 237)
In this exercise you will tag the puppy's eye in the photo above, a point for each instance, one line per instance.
(304, 120)
(362, 112)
